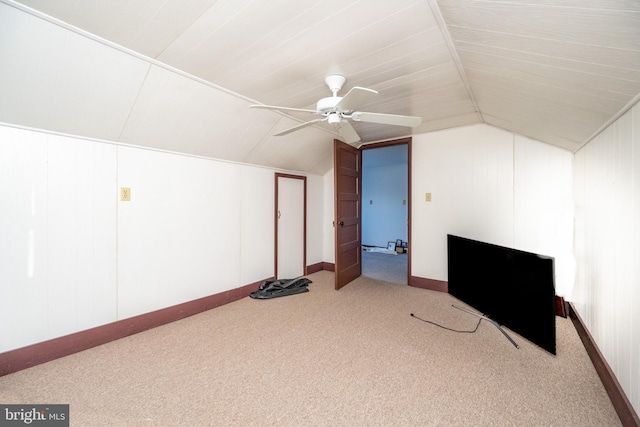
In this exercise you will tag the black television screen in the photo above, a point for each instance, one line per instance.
(512, 287)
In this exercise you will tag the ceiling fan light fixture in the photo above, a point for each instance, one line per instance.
(334, 118)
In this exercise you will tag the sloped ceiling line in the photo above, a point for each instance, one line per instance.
(122, 49)
(623, 110)
(454, 56)
(133, 104)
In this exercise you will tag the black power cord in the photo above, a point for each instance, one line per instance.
(448, 329)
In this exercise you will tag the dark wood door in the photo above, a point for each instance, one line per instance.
(348, 187)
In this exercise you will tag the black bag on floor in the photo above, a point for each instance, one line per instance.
(281, 288)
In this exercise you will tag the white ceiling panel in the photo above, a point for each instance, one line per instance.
(535, 72)
(53, 79)
(553, 70)
(447, 122)
(151, 33)
(145, 26)
(572, 24)
(335, 41)
(560, 50)
(556, 123)
(603, 103)
(309, 149)
(179, 114)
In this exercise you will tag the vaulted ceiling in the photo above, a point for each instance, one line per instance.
(179, 75)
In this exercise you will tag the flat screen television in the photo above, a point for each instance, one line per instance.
(512, 287)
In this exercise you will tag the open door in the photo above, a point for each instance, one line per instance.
(347, 162)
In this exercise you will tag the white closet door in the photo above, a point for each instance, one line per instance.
(290, 228)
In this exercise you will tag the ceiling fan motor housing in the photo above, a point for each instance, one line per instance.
(328, 104)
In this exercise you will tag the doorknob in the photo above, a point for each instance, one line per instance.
(341, 223)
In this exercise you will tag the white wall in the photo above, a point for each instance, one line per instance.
(543, 206)
(315, 219)
(607, 242)
(490, 185)
(179, 237)
(57, 236)
(469, 173)
(72, 256)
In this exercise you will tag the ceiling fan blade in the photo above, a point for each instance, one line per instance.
(347, 132)
(273, 107)
(387, 119)
(356, 97)
(300, 126)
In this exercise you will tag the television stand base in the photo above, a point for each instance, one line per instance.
(483, 317)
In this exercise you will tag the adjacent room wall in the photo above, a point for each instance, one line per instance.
(607, 246)
(72, 256)
(384, 189)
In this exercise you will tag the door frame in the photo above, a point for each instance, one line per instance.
(401, 141)
(279, 175)
(406, 140)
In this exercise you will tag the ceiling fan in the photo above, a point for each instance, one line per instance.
(337, 109)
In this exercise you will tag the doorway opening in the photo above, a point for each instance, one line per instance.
(386, 211)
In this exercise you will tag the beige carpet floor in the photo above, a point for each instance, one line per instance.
(353, 357)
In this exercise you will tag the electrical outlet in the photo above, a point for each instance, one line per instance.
(427, 197)
(125, 194)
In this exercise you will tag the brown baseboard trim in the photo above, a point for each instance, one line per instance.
(619, 399)
(46, 351)
(431, 284)
(561, 307)
(314, 268)
(329, 266)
